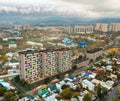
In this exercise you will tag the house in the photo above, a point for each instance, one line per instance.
(105, 85)
(24, 99)
(12, 44)
(51, 98)
(5, 85)
(10, 54)
(14, 65)
(43, 92)
(88, 84)
(68, 79)
(52, 88)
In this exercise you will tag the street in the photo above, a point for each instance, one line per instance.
(112, 94)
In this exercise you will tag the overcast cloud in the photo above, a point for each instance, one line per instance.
(82, 8)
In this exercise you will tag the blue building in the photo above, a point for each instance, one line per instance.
(82, 44)
(67, 41)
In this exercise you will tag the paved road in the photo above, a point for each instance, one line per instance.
(112, 94)
(80, 70)
(9, 75)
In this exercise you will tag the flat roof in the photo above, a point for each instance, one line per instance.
(47, 50)
(88, 83)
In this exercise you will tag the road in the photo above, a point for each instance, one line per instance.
(112, 94)
(9, 75)
(78, 71)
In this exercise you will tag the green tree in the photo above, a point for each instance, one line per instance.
(64, 86)
(2, 91)
(17, 78)
(9, 96)
(87, 97)
(67, 93)
(101, 91)
(74, 67)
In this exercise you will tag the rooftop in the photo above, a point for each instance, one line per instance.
(12, 42)
(47, 50)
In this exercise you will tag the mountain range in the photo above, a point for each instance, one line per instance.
(49, 16)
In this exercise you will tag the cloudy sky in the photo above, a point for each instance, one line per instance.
(80, 8)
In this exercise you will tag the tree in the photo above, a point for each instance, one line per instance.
(87, 97)
(60, 76)
(4, 58)
(101, 91)
(64, 86)
(118, 76)
(9, 96)
(74, 67)
(67, 93)
(118, 89)
(98, 58)
(2, 91)
(17, 78)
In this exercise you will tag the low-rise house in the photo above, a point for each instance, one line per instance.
(109, 67)
(95, 81)
(62, 83)
(58, 86)
(68, 79)
(88, 84)
(51, 98)
(52, 89)
(14, 65)
(6, 85)
(12, 71)
(113, 76)
(12, 44)
(24, 99)
(43, 92)
(9, 54)
(109, 83)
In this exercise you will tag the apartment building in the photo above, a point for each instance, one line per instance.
(37, 65)
(31, 66)
(68, 29)
(115, 27)
(65, 60)
(78, 29)
(101, 27)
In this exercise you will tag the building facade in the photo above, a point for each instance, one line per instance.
(115, 27)
(93, 54)
(78, 29)
(37, 65)
(101, 27)
(12, 44)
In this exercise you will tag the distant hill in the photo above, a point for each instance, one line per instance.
(35, 19)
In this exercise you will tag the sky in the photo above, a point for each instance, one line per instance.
(79, 8)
